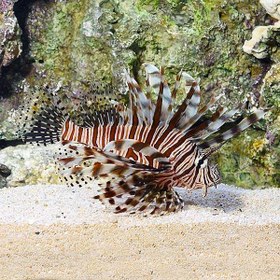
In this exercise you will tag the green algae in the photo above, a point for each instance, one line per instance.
(173, 35)
(250, 161)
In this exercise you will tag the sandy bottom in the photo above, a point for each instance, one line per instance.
(204, 251)
(53, 232)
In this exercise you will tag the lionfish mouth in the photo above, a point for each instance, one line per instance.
(144, 149)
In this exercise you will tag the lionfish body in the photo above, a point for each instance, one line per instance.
(149, 148)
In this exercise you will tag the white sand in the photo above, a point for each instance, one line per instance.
(59, 233)
(43, 204)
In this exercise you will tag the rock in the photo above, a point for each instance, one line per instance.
(272, 7)
(264, 41)
(4, 170)
(271, 88)
(11, 45)
(29, 164)
(265, 44)
(3, 182)
(105, 38)
(100, 44)
(10, 51)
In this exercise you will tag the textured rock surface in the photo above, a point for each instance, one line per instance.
(4, 173)
(10, 50)
(272, 7)
(265, 45)
(73, 43)
(264, 41)
(29, 165)
(10, 47)
(4, 170)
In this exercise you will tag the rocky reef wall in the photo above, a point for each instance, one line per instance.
(72, 44)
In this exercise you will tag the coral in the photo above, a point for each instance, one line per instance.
(272, 7)
(264, 41)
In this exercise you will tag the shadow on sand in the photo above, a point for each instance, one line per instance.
(222, 198)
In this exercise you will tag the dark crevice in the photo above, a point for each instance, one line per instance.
(138, 50)
(258, 82)
(20, 67)
(7, 143)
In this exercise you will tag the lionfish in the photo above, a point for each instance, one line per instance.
(143, 150)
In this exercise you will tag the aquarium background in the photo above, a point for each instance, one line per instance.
(72, 46)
